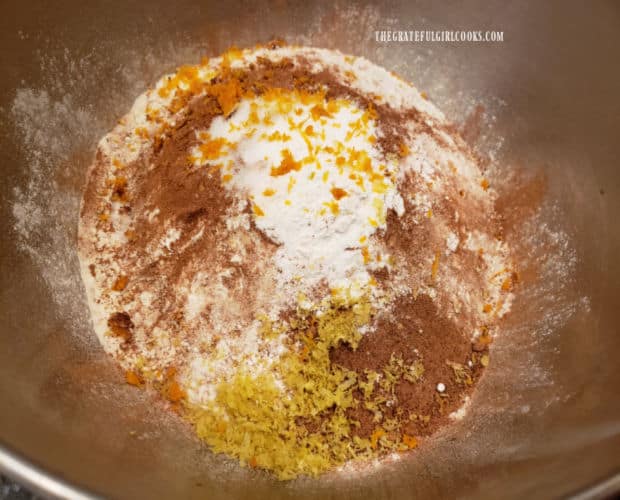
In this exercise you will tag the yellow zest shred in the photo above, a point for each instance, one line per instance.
(333, 206)
(253, 420)
(365, 255)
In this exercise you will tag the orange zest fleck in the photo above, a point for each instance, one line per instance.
(318, 111)
(175, 393)
(212, 149)
(333, 206)
(338, 193)
(507, 284)
(487, 308)
(258, 211)
(279, 136)
(287, 165)
(303, 355)
(371, 112)
(227, 94)
(375, 436)
(484, 339)
(120, 283)
(410, 441)
(484, 184)
(435, 266)
(269, 192)
(185, 74)
(119, 189)
(152, 115)
(132, 378)
(142, 132)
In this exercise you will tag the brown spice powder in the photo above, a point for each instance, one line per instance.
(413, 331)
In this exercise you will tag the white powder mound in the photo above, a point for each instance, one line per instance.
(319, 235)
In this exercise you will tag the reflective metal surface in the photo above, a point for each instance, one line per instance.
(546, 419)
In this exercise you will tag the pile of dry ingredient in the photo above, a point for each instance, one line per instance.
(298, 251)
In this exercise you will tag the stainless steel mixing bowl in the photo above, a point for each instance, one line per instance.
(546, 419)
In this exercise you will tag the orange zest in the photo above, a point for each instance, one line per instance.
(174, 392)
(287, 165)
(410, 441)
(375, 436)
(338, 193)
(132, 378)
(435, 266)
(120, 283)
